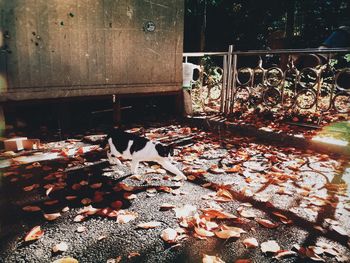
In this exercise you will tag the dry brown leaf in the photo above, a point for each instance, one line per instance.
(60, 247)
(86, 201)
(185, 211)
(231, 232)
(202, 232)
(224, 193)
(66, 260)
(148, 225)
(52, 202)
(79, 218)
(169, 235)
(81, 229)
(34, 234)
(266, 223)
(31, 208)
(285, 254)
(339, 230)
(243, 261)
(270, 246)
(89, 210)
(214, 213)
(114, 260)
(211, 259)
(125, 217)
(117, 204)
(250, 242)
(247, 213)
(133, 254)
(101, 237)
(137, 177)
(129, 196)
(30, 187)
(96, 185)
(71, 197)
(126, 187)
(234, 169)
(51, 217)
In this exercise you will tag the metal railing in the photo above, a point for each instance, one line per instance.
(207, 90)
(318, 87)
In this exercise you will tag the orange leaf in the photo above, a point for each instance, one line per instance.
(266, 223)
(203, 233)
(34, 234)
(148, 225)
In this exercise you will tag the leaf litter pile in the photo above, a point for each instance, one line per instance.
(274, 187)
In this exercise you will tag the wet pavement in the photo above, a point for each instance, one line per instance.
(299, 198)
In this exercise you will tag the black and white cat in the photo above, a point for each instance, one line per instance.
(138, 149)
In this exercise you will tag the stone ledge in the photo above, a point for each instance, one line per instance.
(268, 135)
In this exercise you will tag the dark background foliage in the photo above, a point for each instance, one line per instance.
(212, 25)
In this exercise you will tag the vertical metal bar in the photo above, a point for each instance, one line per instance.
(224, 85)
(233, 84)
(229, 79)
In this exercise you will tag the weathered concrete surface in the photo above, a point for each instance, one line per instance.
(55, 49)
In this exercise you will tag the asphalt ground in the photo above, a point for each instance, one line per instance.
(247, 179)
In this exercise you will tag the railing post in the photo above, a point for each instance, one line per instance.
(224, 85)
(233, 85)
(229, 79)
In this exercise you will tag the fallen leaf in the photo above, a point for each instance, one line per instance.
(250, 242)
(137, 177)
(148, 225)
(96, 185)
(202, 232)
(51, 202)
(66, 260)
(34, 234)
(129, 196)
(79, 218)
(60, 247)
(214, 213)
(31, 208)
(126, 217)
(133, 254)
(243, 261)
(185, 211)
(30, 187)
(234, 169)
(285, 254)
(86, 201)
(339, 230)
(117, 204)
(224, 193)
(270, 246)
(228, 233)
(114, 260)
(266, 223)
(169, 235)
(211, 259)
(101, 237)
(81, 229)
(247, 213)
(51, 217)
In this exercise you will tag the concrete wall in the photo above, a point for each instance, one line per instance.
(67, 48)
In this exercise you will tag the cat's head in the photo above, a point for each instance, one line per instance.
(165, 150)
